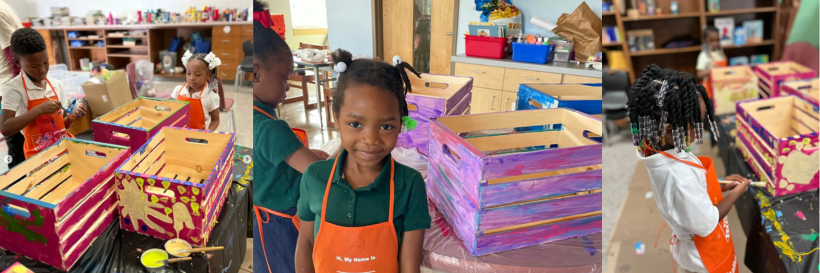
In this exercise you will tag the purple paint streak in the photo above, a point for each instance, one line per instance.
(512, 192)
(539, 211)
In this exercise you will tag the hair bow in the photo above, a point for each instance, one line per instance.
(185, 57)
(263, 17)
(212, 60)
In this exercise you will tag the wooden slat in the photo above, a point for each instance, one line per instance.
(181, 153)
(150, 161)
(49, 184)
(137, 157)
(184, 173)
(128, 120)
(513, 119)
(544, 174)
(154, 170)
(63, 190)
(514, 140)
(34, 179)
(544, 222)
(33, 162)
(89, 165)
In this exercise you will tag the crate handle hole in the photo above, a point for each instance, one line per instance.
(535, 103)
(773, 68)
(95, 154)
(769, 107)
(412, 107)
(16, 211)
(592, 136)
(449, 153)
(121, 136)
(162, 108)
(159, 191)
(196, 140)
(439, 85)
(730, 72)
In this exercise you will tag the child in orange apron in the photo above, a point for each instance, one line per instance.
(668, 111)
(33, 101)
(710, 57)
(280, 154)
(199, 90)
(362, 211)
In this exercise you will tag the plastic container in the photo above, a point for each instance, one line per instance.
(72, 81)
(563, 52)
(532, 53)
(486, 47)
(57, 67)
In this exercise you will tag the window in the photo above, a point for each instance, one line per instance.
(308, 14)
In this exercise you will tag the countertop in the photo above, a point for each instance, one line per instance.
(552, 67)
(148, 26)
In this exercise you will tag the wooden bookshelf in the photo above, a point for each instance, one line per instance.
(606, 13)
(692, 17)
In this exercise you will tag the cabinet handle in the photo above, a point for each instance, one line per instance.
(225, 54)
(507, 105)
(492, 104)
(226, 41)
(532, 79)
(448, 33)
(477, 72)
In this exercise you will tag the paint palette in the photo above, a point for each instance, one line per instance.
(135, 122)
(503, 191)
(771, 75)
(806, 89)
(56, 203)
(174, 186)
(779, 140)
(434, 96)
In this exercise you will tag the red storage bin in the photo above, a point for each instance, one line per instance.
(486, 47)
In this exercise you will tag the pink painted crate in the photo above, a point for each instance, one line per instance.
(56, 203)
(771, 75)
(807, 89)
(175, 185)
(137, 121)
(502, 188)
(781, 141)
(731, 85)
(434, 96)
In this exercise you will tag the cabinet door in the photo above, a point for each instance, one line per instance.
(485, 100)
(513, 78)
(508, 101)
(441, 36)
(483, 76)
(579, 79)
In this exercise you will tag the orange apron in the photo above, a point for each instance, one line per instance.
(301, 134)
(47, 129)
(707, 84)
(373, 248)
(197, 120)
(716, 250)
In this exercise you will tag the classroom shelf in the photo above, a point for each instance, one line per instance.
(125, 46)
(741, 11)
(607, 13)
(611, 44)
(665, 51)
(86, 47)
(128, 54)
(127, 36)
(662, 17)
(86, 39)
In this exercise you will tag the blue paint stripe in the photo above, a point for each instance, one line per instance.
(28, 200)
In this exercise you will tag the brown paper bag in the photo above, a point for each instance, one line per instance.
(582, 27)
(109, 95)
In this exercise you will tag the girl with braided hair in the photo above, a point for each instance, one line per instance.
(669, 112)
(362, 211)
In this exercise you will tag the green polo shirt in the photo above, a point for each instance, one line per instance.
(276, 185)
(366, 205)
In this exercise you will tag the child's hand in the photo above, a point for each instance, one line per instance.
(321, 154)
(80, 110)
(737, 178)
(742, 186)
(49, 107)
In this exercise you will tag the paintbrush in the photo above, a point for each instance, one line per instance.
(169, 261)
(759, 184)
(201, 249)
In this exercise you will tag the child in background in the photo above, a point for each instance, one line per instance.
(280, 157)
(363, 204)
(669, 110)
(32, 101)
(200, 82)
(710, 56)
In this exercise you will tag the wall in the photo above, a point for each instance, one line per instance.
(549, 10)
(42, 8)
(283, 7)
(350, 26)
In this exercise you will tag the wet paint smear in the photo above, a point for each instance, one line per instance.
(589, 246)
(779, 214)
(785, 244)
(809, 237)
(800, 215)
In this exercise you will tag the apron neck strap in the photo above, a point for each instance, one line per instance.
(23, 77)
(675, 158)
(330, 181)
(265, 113)
(191, 95)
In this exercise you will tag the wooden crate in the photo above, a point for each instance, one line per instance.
(781, 140)
(137, 121)
(434, 96)
(585, 98)
(807, 89)
(771, 75)
(731, 85)
(56, 203)
(177, 181)
(547, 188)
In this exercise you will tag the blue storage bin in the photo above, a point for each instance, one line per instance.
(585, 98)
(73, 34)
(532, 53)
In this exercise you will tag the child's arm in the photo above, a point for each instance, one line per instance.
(704, 64)
(725, 205)
(12, 125)
(284, 145)
(301, 158)
(214, 120)
(410, 251)
(304, 248)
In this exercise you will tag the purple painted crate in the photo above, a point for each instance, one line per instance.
(771, 75)
(56, 203)
(514, 189)
(176, 184)
(137, 121)
(434, 96)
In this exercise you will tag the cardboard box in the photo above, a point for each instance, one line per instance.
(109, 95)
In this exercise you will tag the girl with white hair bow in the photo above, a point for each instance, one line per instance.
(200, 90)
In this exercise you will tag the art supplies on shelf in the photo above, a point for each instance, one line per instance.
(485, 31)
(640, 40)
(725, 27)
(57, 202)
(808, 89)
(739, 60)
(175, 185)
(771, 75)
(134, 123)
(434, 96)
(490, 181)
(612, 35)
(740, 35)
(563, 51)
(759, 59)
(713, 5)
(731, 85)
(754, 31)
(778, 137)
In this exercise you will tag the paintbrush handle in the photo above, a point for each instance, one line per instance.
(178, 260)
(203, 249)
(759, 184)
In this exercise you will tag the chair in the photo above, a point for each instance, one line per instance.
(245, 66)
(226, 106)
(328, 93)
(303, 78)
(613, 102)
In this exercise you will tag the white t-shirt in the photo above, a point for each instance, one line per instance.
(9, 22)
(683, 201)
(14, 96)
(210, 101)
(707, 59)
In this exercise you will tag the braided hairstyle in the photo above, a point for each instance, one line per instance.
(664, 96)
(372, 72)
(213, 82)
